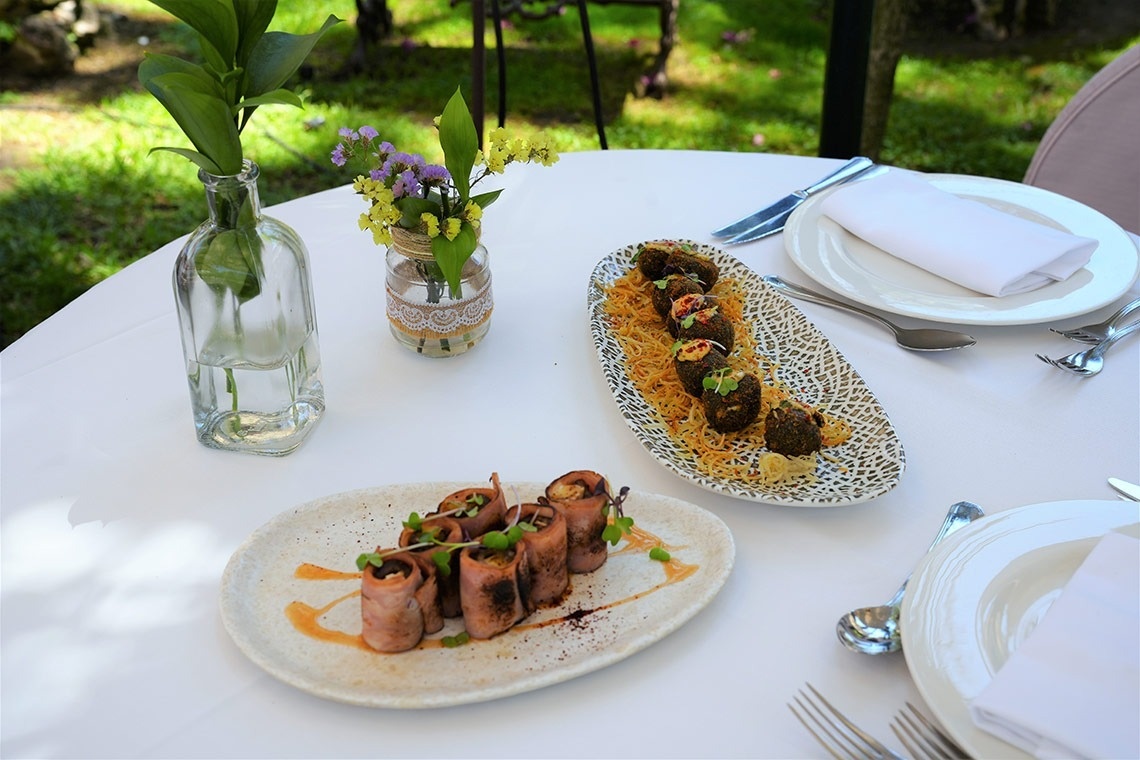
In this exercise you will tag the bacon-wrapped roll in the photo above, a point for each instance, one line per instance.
(392, 618)
(494, 588)
(582, 496)
(546, 551)
(448, 530)
(483, 508)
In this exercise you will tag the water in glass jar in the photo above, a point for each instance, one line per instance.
(264, 405)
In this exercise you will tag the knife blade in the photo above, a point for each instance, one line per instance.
(777, 223)
(785, 205)
(1123, 487)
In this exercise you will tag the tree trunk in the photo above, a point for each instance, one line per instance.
(888, 30)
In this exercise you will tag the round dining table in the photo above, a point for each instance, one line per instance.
(117, 525)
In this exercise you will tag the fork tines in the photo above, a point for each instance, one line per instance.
(1062, 364)
(922, 738)
(1101, 330)
(839, 736)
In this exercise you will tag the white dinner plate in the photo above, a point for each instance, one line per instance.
(619, 609)
(839, 260)
(869, 464)
(978, 595)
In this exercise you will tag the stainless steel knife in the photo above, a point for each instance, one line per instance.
(1131, 490)
(784, 206)
(775, 217)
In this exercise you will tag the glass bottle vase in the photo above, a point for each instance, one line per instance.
(249, 331)
(424, 313)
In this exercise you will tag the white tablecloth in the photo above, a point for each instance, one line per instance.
(116, 523)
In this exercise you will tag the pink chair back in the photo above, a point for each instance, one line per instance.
(1091, 152)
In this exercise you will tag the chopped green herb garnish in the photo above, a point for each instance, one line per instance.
(659, 554)
(457, 640)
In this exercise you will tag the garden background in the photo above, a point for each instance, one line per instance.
(80, 197)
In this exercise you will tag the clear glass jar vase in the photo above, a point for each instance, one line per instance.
(424, 314)
(249, 331)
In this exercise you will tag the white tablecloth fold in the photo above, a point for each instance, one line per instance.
(1072, 689)
(958, 239)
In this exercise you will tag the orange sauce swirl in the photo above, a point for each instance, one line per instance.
(306, 619)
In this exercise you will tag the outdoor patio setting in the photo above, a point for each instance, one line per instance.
(570, 379)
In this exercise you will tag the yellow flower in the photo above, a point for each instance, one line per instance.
(381, 236)
(498, 136)
(472, 213)
(497, 159)
(364, 222)
(431, 224)
(451, 227)
(543, 152)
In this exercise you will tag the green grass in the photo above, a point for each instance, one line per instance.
(82, 198)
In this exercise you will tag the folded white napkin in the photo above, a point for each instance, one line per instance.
(1072, 689)
(961, 240)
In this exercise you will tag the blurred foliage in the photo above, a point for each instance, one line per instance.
(80, 198)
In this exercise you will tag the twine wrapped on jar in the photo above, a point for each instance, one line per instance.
(424, 313)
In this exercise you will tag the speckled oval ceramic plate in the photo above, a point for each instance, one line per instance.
(869, 464)
(629, 603)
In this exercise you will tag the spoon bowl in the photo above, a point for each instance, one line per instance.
(920, 339)
(875, 630)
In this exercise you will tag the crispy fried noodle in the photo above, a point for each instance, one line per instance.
(649, 363)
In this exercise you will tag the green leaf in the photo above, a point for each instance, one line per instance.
(277, 55)
(414, 521)
(496, 540)
(274, 98)
(457, 640)
(442, 560)
(229, 262)
(202, 161)
(156, 64)
(205, 119)
(483, 200)
(659, 554)
(253, 17)
(369, 558)
(527, 527)
(618, 528)
(214, 20)
(514, 533)
(452, 254)
(412, 208)
(460, 143)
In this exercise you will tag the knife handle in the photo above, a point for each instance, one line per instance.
(854, 167)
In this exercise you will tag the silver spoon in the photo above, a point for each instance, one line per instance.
(875, 630)
(922, 339)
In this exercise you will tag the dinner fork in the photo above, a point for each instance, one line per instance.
(922, 738)
(1090, 361)
(1101, 330)
(840, 737)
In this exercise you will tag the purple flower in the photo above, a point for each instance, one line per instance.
(368, 133)
(434, 174)
(406, 184)
(348, 134)
(376, 175)
(338, 156)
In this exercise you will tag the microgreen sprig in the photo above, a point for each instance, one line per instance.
(621, 524)
(720, 381)
(495, 540)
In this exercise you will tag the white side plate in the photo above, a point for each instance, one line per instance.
(838, 260)
(978, 595)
